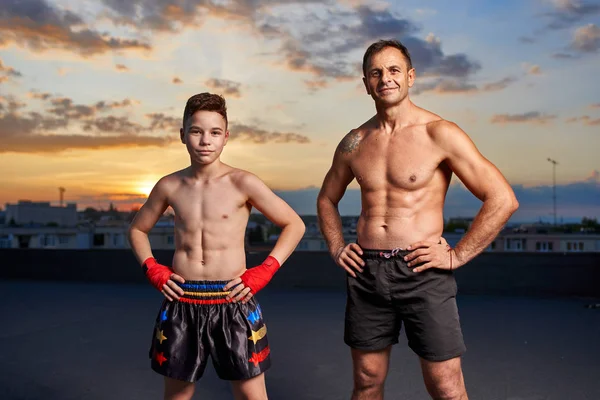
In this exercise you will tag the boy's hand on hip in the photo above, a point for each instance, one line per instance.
(238, 291)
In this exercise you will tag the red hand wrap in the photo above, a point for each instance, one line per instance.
(257, 278)
(156, 273)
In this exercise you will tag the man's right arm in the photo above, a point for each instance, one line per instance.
(334, 186)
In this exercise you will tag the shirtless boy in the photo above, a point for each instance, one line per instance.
(401, 269)
(209, 307)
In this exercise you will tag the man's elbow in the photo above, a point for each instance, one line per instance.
(324, 203)
(511, 204)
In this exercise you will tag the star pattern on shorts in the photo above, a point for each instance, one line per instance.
(160, 358)
(260, 356)
(257, 335)
(255, 316)
(163, 316)
(160, 336)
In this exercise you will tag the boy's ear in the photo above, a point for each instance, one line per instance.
(181, 135)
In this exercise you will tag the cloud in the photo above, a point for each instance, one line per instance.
(566, 13)
(533, 69)
(31, 132)
(122, 68)
(596, 105)
(112, 124)
(499, 85)
(320, 40)
(63, 71)
(459, 86)
(39, 26)
(526, 39)
(159, 121)
(444, 86)
(39, 96)
(564, 56)
(316, 84)
(177, 80)
(253, 134)
(225, 87)
(534, 117)
(8, 71)
(586, 39)
(59, 143)
(586, 120)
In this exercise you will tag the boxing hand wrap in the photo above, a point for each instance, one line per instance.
(257, 278)
(156, 273)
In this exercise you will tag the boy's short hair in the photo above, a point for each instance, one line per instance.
(205, 102)
(382, 44)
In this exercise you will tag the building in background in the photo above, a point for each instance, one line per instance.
(27, 212)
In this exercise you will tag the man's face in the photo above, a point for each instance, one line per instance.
(204, 135)
(387, 76)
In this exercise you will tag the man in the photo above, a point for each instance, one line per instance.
(401, 269)
(210, 309)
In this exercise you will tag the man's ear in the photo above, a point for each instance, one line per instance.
(366, 86)
(181, 135)
(412, 75)
(226, 137)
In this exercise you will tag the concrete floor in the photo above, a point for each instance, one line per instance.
(90, 341)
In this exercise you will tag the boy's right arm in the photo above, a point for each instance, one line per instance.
(160, 276)
(334, 186)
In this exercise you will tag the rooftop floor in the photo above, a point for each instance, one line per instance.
(90, 341)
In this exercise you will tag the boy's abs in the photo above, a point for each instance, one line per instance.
(206, 264)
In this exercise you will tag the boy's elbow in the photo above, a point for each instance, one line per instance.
(301, 226)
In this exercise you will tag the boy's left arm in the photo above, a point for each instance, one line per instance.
(281, 214)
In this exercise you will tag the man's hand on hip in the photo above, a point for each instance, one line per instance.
(349, 258)
(428, 254)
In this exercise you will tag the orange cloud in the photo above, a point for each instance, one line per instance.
(533, 117)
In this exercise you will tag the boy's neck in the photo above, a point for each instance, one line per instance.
(206, 171)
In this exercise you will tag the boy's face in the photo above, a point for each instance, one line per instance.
(204, 135)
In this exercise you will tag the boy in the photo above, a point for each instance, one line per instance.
(210, 309)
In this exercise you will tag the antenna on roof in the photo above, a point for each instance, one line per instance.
(61, 191)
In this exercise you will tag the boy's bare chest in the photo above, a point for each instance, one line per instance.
(208, 202)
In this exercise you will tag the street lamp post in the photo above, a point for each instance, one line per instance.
(554, 163)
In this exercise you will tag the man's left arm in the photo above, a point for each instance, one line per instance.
(292, 229)
(485, 181)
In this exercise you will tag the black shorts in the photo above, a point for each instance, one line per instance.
(388, 292)
(202, 324)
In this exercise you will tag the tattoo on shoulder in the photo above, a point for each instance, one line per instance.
(350, 142)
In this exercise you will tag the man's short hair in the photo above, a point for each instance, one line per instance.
(382, 44)
(205, 102)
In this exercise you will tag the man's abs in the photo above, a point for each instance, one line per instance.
(394, 228)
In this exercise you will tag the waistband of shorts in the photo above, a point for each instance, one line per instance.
(204, 292)
(384, 254)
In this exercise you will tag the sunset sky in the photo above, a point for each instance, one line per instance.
(92, 92)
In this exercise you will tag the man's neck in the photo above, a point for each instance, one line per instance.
(390, 118)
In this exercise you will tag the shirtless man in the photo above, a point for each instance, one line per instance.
(400, 269)
(210, 308)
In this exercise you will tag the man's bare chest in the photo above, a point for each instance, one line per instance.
(407, 167)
